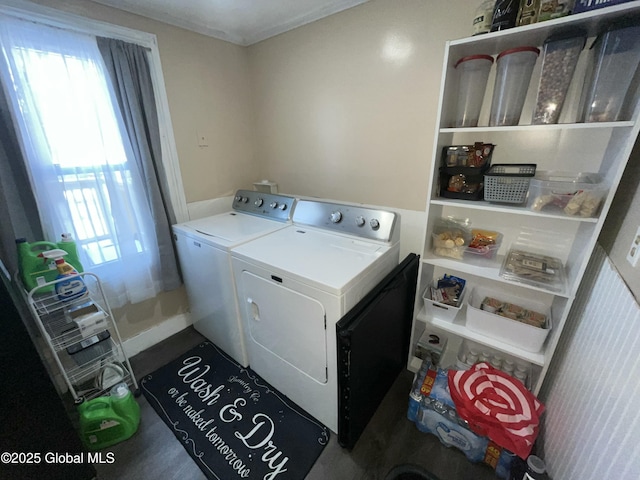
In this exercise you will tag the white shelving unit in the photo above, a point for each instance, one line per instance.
(77, 353)
(568, 146)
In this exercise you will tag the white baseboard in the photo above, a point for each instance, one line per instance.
(134, 345)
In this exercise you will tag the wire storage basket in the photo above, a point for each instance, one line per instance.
(508, 182)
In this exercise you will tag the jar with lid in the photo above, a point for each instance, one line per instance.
(535, 468)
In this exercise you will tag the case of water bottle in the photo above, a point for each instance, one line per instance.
(433, 411)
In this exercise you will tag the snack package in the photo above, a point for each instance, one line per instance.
(484, 242)
(514, 312)
(448, 290)
(451, 237)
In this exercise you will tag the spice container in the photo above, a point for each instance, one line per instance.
(616, 56)
(473, 75)
(560, 56)
(514, 68)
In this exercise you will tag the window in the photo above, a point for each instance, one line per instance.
(67, 91)
(80, 161)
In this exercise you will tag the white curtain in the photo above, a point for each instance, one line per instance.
(78, 157)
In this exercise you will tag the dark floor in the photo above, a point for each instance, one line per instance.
(389, 439)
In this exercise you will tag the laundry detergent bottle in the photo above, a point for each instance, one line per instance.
(69, 285)
(105, 421)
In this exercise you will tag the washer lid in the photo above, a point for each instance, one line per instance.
(327, 261)
(228, 229)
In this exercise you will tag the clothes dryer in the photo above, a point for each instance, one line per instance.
(295, 284)
(204, 247)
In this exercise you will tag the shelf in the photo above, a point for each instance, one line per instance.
(64, 322)
(509, 209)
(540, 128)
(535, 34)
(489, 272)
(598, 147)
(457, 327)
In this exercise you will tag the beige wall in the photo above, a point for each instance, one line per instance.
(345, 107)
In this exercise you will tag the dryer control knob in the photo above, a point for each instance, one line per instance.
(336, 216)
(282, 206)
(273, 204)
(258, 202)
(375, 224)
(238, 198)
(245, 199)
(360, 221)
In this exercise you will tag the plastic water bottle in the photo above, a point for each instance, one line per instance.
(415, 396)
(505, 461)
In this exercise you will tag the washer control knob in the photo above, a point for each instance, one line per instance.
(273, 204)
(336, 216)
(245, 199)
(375, 224)
(258, 202)
(282, 206)
(238, 198)
(360, 221)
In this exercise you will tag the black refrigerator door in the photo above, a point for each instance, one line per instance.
(373, 344)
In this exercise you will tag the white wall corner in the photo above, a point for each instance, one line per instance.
(134, 345)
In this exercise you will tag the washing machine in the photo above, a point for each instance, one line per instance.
(204, 247)
(295, 284)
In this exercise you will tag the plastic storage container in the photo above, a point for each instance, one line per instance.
(440, 310)
(559, 59)
(616, 57)
(513, 75)
(472, 83)
(575, 195)
(484, 245)
(508, 182)
(463, 167)
(533, 268)
(513, 332)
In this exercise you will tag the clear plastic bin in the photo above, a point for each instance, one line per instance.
(571, 194)
(559, 59)
(473, 75)
(616, 57)
(513, 75)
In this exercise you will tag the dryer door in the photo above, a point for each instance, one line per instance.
(286, 323)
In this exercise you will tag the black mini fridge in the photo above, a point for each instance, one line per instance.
(373, 346)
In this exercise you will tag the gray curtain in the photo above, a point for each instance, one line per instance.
(19, 215)
(128, 67)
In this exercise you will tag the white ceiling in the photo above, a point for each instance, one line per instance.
(242, 22)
